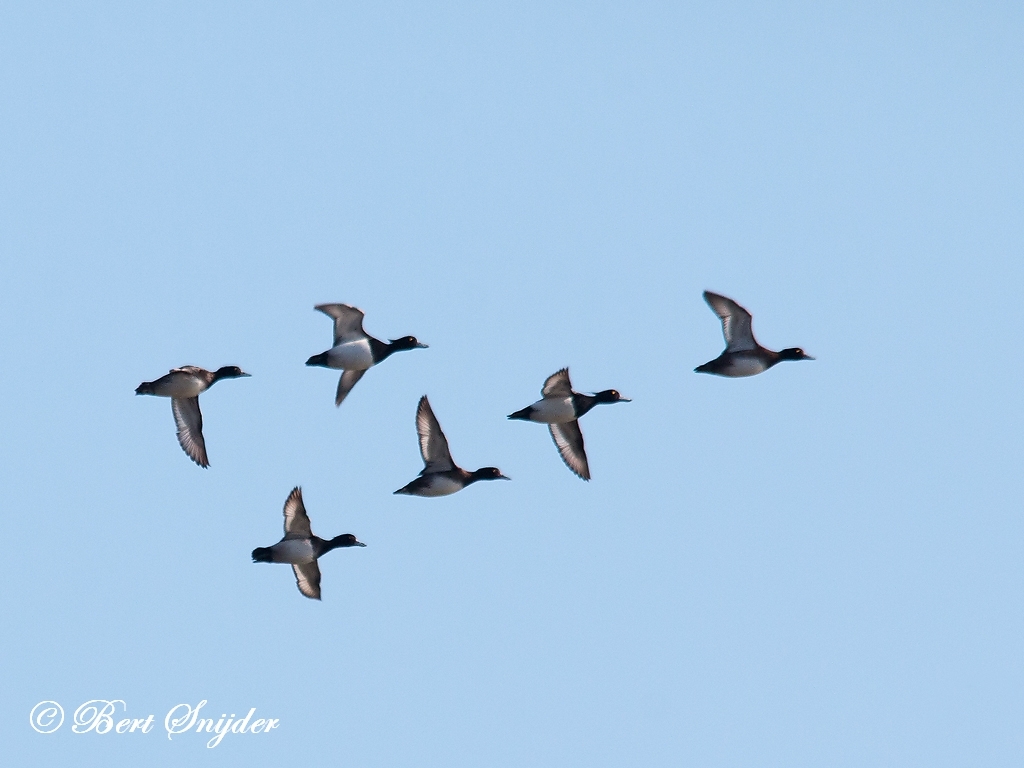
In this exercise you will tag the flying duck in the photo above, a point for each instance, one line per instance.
(354, 352)
(184, 385)
(560, 408)
(440, 476)
(300, 547)
(743, 356)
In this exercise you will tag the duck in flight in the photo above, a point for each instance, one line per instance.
(743, 356)
(184, 385)
(440, 476)
(560, 408)
(300, 547)
(354, 352)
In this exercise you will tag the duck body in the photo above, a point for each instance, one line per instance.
(187, 381)
(183, 386)
(560, 408)
(447, 483)
(739, 364)
(352, 356)
(354, 351)
(300, 548)
(305, 550)
(440, 475)
(549, 410)
(743, 356)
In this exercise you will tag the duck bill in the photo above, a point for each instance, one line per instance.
(421, 345)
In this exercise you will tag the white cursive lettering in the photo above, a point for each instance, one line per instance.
(91, 716)
(174, 725)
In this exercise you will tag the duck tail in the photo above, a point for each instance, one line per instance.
(523, 414)
(261, 555)
(145, 388)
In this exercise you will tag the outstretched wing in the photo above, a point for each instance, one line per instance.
(557, 385)
(433, 444)
(736, 322)
(307, 579)
(348, 321)
(296, 521)
(345, 383)
(569, 441)
(189, 420)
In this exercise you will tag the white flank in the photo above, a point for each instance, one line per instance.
(556, 410)
(181, 385)
(439, 485)
(351, 356)
(745, 366)
(294, 551)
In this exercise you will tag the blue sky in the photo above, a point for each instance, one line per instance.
(816, 566)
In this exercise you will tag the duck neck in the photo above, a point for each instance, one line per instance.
(381, 349)
(583, 403)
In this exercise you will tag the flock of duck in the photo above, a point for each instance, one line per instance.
(354, 352)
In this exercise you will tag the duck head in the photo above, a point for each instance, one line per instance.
(794, 353)
(610, 396)
(488, 473)
(345, 540)
(230, 372)
(406, 342)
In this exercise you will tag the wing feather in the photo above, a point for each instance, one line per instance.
(348, 321)
(307, 579)
(433, 444)
(569, 440)
(296, 521)
(736, 322)
(348, 380)
(557, 385)
(189, 421)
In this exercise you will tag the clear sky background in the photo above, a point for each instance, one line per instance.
(817, 566)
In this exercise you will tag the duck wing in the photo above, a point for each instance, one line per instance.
(189, 421)
(345, 383)
(736, 322)
(433, 444)
(557, 385)
(348, 321)
(569, 440)
(296, 521)
(307, 579)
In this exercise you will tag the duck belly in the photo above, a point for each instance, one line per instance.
(554, 410)
(179, 385)
(439, 485)
(351, 356)
(744, 365)
(294, 551)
